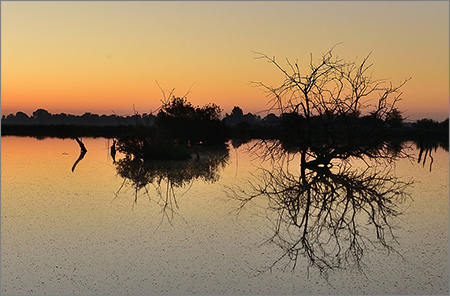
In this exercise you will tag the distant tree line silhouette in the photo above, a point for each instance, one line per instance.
(43, 117)
(236, 118)
(184, 122)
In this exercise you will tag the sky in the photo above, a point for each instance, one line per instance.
(123, 57)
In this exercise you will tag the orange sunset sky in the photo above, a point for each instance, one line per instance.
(100, 57)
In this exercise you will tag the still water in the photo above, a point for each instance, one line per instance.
(88, 231)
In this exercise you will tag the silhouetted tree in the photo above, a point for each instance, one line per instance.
(185, 123)
(42, 116)
(271, 119)
(20, 116)
(237, 118)
(426, 124)
(395, 118)
(325, 108)
(237, 111)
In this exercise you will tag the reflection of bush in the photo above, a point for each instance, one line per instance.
(177, 173)
(165, 175)
(146, 144)
(151, 148)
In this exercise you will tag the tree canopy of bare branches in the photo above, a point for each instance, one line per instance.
(335, 110)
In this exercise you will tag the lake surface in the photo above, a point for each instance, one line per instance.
(87, 232)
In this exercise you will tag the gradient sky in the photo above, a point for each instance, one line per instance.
(100, 57)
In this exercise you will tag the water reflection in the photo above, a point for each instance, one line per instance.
(330, 209)
(113, 151)
(427, 144)
(166, 175)
(83, 152)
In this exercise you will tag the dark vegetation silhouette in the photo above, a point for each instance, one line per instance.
(166, 176)
(137, 131)
(329, 216)
(44, 124)
(113, 151)
(187, 124)
(430, 135)
(238, 126)
(330, 186)
(180, 131)
(83, 152)
(150, 144)
(186, 143)
(323, 110)
(43, 117)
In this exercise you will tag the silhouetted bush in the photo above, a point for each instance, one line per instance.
(191, 125)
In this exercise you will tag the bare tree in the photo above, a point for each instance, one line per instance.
(337, 110)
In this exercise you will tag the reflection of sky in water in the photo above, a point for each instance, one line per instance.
(66, 232)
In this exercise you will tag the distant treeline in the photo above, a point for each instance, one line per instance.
(43, 117)
(237, 118)
(240, 125)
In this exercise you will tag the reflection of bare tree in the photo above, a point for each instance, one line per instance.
(330, 215)
(166, 175)
(83, 151)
